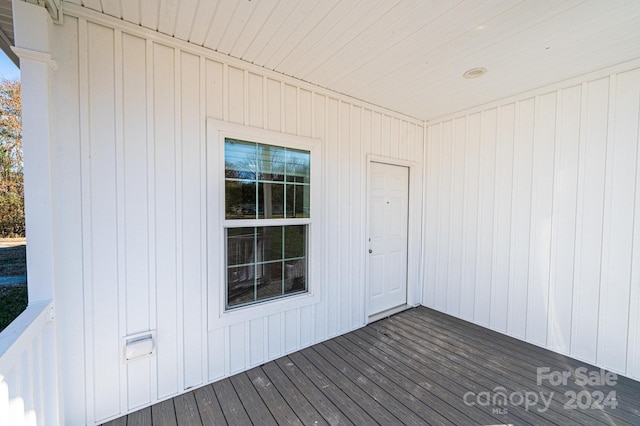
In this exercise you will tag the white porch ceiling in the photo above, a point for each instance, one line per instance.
(406, 55)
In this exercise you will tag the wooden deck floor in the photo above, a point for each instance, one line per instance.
(418, 367)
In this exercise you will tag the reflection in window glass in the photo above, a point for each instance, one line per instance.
(240, 159)
(271, 200)
(269, 284)
(271, 162)
(296, 245)
(295, 276)
(298, 200)
(269, 243)
(265, 182)
(240, 199)
(240, 246)
(297, 166)
(265, 263)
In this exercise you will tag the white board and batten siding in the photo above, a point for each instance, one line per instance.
(131, 210)
(544, 188)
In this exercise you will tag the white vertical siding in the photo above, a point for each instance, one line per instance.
(67, 214)
(139, 182)
(549, 199)
(502, 217)
(470, 224)
(619, 203)
(591, 171)
(99, 185)
(565, 187)
(135, 203)
(520, 218)
(486, 193)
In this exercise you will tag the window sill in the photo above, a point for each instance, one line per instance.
(263, 309)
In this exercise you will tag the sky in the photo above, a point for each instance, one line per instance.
(8, 70)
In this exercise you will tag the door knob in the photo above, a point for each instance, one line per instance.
(370, 251)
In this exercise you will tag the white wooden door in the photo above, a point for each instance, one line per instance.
(388, 222)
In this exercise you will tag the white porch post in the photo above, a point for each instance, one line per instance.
(32, 26)
(33, 30)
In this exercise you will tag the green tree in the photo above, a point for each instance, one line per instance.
(11, 164)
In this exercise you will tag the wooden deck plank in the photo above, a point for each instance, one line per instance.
(396, 408)
(253, 404)
(187, 412)
(414, 368)
(298, 402)
(140, 418)
(457, 382)
(332, 391)
(493, 370)
(517, 349)
(425, 412)
(208, 406)
(492, 377)
(363, 398)
(323, 404)
(120, 421)
(164, 414)
(475, 382)
(234, 412)
(524, 367)
(377, 369)
(282, 413)
(523, 372)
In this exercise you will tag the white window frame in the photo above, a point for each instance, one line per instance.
(219, 315)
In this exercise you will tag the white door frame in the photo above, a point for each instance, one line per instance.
(413, 232)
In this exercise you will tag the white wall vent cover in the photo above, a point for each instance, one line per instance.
(139, 346)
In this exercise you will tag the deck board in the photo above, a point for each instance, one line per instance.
(298, 402)
(488, 373)
(361, 397)
(417, 398)
(405, 406)
(521, 350)
(164, 414)
(416, 367)
(253, 404)
(427, 388)
(208, 406)
(523, 368)
(327, 409)
(354, 412)
(187, 413)
(140, 418)
(234, 412)
(282, 413)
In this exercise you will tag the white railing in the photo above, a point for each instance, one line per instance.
(28, 385)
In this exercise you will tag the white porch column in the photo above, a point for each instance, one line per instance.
(32, 27)
(33, 30)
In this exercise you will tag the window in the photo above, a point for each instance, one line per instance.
(267, 216)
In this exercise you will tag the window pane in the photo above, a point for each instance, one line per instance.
(298, 165)
(269, 243)
(298, 200)
(240, 246)
(295, 276)
(240, 285)
(295, 244)
(240, 199)
(240, 159)
(270, 200)
(271, 160)
(269, 280)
